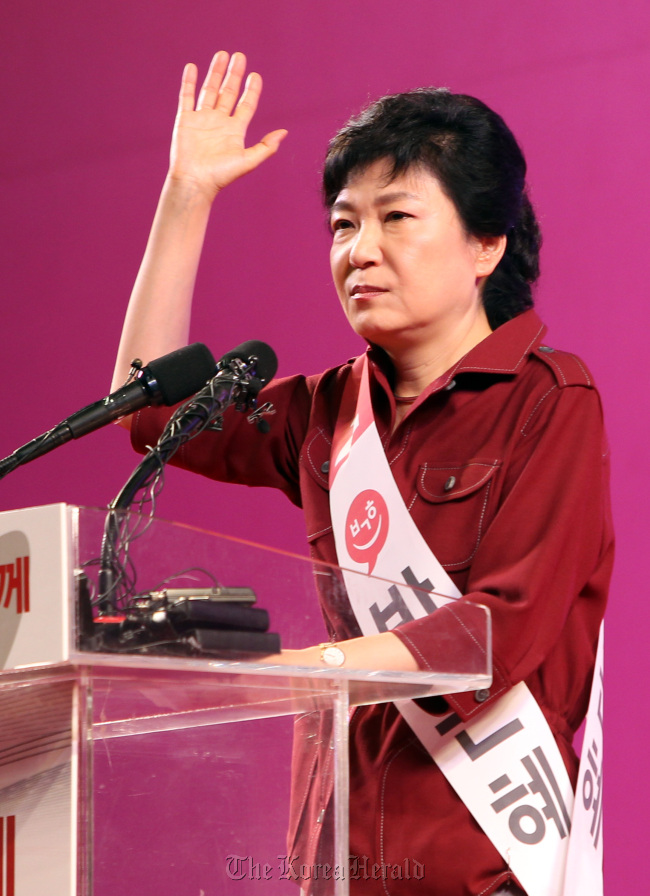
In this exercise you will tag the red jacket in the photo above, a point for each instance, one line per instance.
(525, 529)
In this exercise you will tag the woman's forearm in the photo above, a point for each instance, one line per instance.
(158, 315)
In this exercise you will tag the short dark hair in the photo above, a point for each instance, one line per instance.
(476, 159)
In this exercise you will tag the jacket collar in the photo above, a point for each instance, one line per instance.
(503, 352)
(506, 349)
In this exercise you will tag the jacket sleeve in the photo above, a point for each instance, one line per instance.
(543, 564)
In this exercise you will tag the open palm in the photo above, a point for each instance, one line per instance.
(208, 144)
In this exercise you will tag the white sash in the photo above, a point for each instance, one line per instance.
(584, 873)
(505, 765)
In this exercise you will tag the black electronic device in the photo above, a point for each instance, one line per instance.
(213, 621)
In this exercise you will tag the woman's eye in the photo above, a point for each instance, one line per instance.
(340, 224)
(396, 216)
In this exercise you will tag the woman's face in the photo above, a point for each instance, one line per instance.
(404, 268)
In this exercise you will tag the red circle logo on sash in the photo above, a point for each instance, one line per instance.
(366, 527)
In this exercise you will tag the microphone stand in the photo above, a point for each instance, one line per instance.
(166, 380)
(37, 447)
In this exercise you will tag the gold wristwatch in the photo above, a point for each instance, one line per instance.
(331, 654)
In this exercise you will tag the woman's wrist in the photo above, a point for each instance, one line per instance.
(187, 192)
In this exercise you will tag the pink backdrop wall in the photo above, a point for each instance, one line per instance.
(88, 98)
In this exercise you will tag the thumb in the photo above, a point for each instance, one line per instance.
(268, 145)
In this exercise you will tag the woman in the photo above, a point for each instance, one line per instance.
(493, 441)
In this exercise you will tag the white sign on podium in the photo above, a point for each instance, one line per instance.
(38, 777)
(36, 567)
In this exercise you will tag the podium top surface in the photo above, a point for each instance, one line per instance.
(63, 544)
(137, 695)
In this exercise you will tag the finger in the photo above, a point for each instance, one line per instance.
(188, 88)
(213, 79)
(229, 90)
(249, 99)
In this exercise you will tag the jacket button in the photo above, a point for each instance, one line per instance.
(450, 483)
(546, 348)
(325, 468)
(482, 695)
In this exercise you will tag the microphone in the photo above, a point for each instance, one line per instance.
(167, 380)
(241, 374)
(261, 360)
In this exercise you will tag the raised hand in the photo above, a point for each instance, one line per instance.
(208, 145)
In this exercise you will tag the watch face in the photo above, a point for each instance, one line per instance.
(333, 656)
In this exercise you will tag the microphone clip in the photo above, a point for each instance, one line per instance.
(136, 368)
(258, 415)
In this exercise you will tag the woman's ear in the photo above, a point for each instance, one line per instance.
(490, 250)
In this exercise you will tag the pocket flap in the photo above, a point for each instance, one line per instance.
(437, 483)
(315, 457)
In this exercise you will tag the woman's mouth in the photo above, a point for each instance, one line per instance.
(366, 290)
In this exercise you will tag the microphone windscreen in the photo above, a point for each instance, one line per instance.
(267, 362)
(183, 372)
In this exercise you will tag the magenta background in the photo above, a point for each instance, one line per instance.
(88, 98)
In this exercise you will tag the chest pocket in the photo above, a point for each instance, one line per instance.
(451, 508)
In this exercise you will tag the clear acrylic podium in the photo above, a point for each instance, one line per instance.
(168, 775)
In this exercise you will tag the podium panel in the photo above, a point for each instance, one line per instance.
(131, 768)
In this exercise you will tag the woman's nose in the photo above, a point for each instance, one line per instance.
(366, 247)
